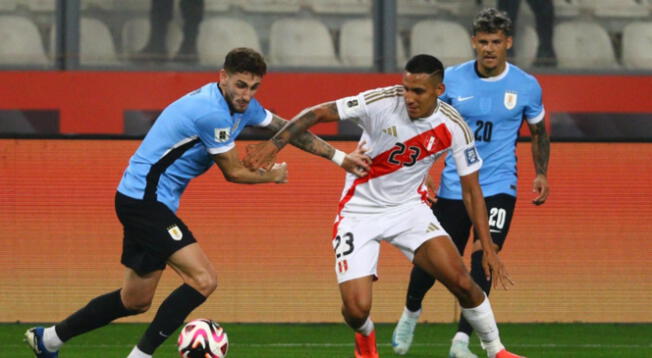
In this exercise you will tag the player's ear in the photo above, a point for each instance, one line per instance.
(509, 41)
(473, 42)
(442, 89)
(224, 76)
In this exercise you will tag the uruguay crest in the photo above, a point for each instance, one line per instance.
(175, 232)
(510, 100)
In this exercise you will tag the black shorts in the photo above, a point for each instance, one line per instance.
(152, 233)
(455, 220)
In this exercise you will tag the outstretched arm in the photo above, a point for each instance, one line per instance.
(540, 155)
(477, 210)
(305, 141)
(261, 155)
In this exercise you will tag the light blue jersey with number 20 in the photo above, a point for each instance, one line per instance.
(494, 108)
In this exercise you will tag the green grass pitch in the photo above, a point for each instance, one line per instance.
(336, 340)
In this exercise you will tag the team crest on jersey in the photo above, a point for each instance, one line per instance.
(175, 232)
(471, 155)
(222, 134)
(510, 100)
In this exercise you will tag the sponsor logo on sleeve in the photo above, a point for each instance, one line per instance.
(222, 134)
(352, 103)
(471, 155)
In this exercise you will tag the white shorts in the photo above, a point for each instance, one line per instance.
(358, 237)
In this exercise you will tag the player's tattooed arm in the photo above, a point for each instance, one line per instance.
(540, 147)
(306, 140)
(294, 131)
(540, 155)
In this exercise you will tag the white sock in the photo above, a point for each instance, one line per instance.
(410, 314)
(137, 353)
(366, 328)
(461, 337)
(483, 322)
(51, 341)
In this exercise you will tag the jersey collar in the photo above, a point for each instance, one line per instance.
(494, 78)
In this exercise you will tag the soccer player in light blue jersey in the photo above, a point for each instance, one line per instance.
(494, 97)
(191, 134)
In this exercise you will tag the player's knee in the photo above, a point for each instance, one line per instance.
(137, 305)
(205, 283)
(463, 287)
(355, 313)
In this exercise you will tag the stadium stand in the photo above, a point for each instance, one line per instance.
(417, 7)
(8, 5)
(583, 45)
(218, 35)
(301, 42)
(96, 4)
(20, 42)
(270, 6)
(525, 45)
(447, 40)
(96, 45)
(135, 33)
(357, 7)
(356, 44)
(40, 5)
(637, 45)
(619, 8)
(216, 5)
(568, 8)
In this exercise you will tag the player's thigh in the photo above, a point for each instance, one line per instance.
(152, 233)
(440, 258)
(500, 208)
(194, 267)
(455, 220)
(411, 228)
(356, 246)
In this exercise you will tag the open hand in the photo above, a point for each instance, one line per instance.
(493, 267)
(357, 162)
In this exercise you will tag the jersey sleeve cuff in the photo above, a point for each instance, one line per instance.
(538, 118)
(268, 119)
(220, 150)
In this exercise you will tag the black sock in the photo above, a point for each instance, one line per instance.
(420, 283)
(176, 307)
(477, 273)
(99, 312)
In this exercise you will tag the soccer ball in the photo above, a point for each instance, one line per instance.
(203, 338)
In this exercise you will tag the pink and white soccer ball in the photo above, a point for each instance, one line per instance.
(203, 338)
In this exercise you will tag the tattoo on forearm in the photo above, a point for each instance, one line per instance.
(301, 138)
(540, 147)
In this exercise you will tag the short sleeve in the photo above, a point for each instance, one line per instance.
(466, 156)
(352, 107)
(215, 132)
(367, 105)
(534, 111)
(257, 115)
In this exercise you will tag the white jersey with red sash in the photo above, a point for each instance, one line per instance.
(402, 150)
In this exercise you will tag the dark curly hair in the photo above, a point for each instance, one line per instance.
(243, 59)
(491, 21)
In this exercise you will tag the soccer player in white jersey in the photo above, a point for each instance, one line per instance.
(494, 97)
(406, 128)
(191, 134)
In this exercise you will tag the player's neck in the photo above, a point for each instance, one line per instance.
(485, 72)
